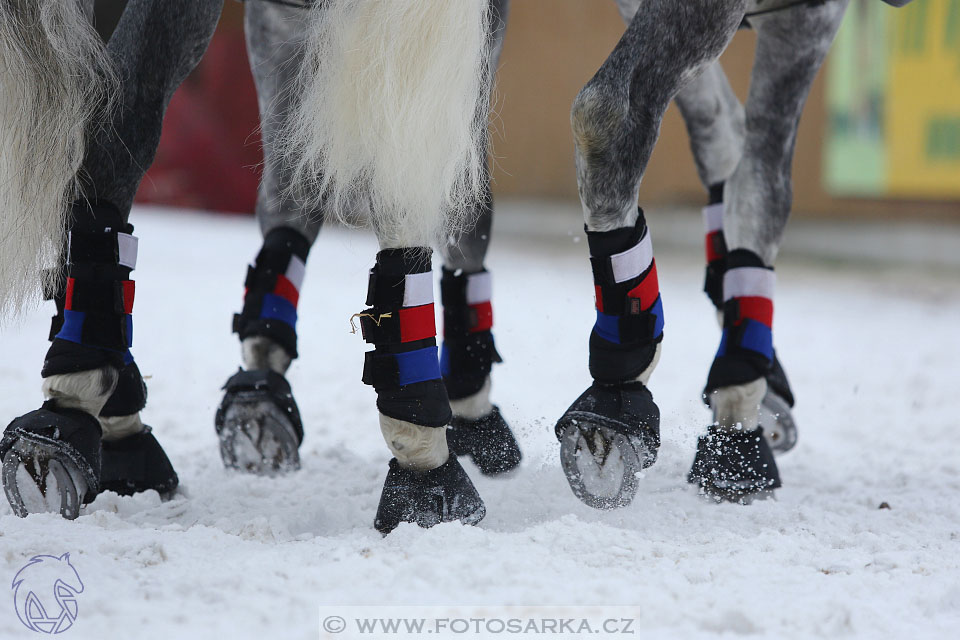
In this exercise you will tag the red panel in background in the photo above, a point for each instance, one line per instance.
(210, 154)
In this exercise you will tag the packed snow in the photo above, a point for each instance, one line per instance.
(862, 541)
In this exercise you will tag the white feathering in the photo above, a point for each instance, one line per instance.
(394, 114)
(54, 77)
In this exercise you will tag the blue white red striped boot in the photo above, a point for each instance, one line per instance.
(425, 483)
(776, 417)
(478, 429)
(612, 431)
(734, 461)
(258, 423)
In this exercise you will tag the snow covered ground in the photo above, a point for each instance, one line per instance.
(872, 352)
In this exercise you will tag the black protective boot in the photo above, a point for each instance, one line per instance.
(776, 418)
(51, 461)
(734, 465)
(612, 431)
(444, 494)
(258, 424)
(609, 435)
(466, 361)
(488, 441)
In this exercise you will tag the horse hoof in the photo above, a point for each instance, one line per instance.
(50, 462)
(607, 438)
(258, 424)
(734, 465)
(427, 498)
(779, 427)
(135, 464)
(488, 441)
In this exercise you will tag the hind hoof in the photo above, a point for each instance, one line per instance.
(427, 498)
(488, 441)
(258, 424)
(51, 462)
(607, 438)
(734, 466)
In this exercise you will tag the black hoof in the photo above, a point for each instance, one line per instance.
(51, 461)
(607, 438)
(137, 463)
(259, 425)
(734, 465)
(779, 427)
(488, 441)
(444, 494)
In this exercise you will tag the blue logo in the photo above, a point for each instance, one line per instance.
(45, 593)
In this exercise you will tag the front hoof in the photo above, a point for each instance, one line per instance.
(51, 461)
(488, 441)
(135, 464)
(444, 494)
(779, 427)
(607, 438)
(734, 465)
(258, 424)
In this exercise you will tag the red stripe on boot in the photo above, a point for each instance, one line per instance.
(756, 308)
(68, 300)
(129, 293)
(483, 317)
(417, 323)
(599, 298)
(648, 289)
(716, 247)
(286, 290)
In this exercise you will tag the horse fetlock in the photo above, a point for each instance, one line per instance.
(85, 391)
(414, 446)
(738, 406)
(475, 406)
(260, 352)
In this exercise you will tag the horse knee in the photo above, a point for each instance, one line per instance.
(597, 117)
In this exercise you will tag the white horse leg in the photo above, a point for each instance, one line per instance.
(611, 432)
(791, 46)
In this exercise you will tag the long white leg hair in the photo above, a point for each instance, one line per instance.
(394, 113)
(54, 77)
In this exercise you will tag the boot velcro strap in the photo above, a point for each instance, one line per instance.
(101, 330)
(392, 370)
(110, 247)
(635, 327)
(100, 296)
(392, 291)
(404, 325)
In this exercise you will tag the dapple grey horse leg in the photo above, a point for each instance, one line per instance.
(155, 45)
(715, 122)
(275, 44)
(468, 251)
(471, 353)
(617, 115)
(791, 47)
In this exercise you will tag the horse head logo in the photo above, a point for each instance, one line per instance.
(45, 594)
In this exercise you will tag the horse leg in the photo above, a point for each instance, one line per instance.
(258, 423)
(733, 461)
(611, 432)
(716, 123)
(478, 429)
(62, 455)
